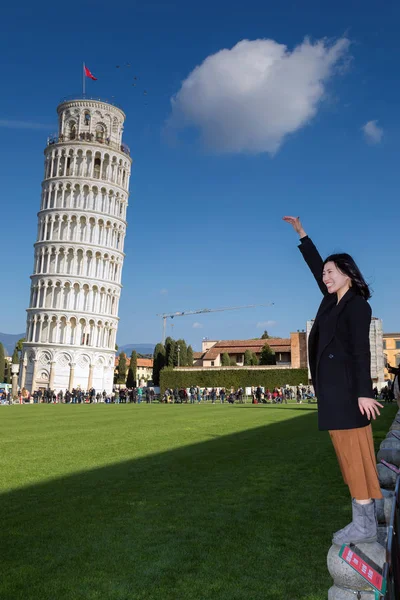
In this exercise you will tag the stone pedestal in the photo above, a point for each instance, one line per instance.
(336, 593)
(348, 582)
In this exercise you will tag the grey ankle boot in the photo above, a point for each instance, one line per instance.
(362, 529)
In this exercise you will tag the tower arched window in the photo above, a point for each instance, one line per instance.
(100, 133)
(87, 119)
(96, 168)
(72, 130)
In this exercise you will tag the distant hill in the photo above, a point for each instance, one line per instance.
(9, 340)
(141, 348)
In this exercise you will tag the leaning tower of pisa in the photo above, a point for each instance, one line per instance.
(76, 282)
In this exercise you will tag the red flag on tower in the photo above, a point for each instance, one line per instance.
(89, 74)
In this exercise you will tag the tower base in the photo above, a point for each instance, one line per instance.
(66, 367)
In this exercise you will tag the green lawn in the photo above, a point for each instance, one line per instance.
(176, 502)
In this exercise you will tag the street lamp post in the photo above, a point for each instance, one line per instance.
(179, 355)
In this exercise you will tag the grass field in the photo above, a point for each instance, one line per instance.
(168, 502)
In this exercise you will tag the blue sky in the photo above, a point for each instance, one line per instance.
(204, 222)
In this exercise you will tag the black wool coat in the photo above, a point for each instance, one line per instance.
(339, 352)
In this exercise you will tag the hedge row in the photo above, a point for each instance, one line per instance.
(268, 378)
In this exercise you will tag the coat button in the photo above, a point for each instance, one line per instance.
(331, 356)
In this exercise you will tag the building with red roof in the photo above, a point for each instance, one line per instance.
(289, 352)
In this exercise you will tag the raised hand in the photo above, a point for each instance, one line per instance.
(296, 224)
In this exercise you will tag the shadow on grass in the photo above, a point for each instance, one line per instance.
(244, 516)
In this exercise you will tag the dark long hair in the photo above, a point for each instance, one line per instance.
(346, 264)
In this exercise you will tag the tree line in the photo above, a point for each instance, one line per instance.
(168, 356)
(127, 375)
(176, 353)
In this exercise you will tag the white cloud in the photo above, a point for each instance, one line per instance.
(197, 325)
(372, 132)
(249, 98)
(163, 292)
(10, 124)
(262, 324)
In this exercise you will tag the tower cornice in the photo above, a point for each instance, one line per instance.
(81, 279)
(73, 313)
(90, 103)
(77, 180)
(79, 213)
(55, 142)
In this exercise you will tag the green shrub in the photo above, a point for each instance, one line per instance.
(248, 358)
(158, 362)
(131, 379)
(238, 377)
(267, 356)
(190, 356)
(225, 360)
(122, 369)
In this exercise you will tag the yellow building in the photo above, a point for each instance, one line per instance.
(144, 369)
(391, 349)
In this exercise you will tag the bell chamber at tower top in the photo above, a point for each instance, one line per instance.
(90, 122)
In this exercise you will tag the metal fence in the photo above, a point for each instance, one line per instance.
(391, 569)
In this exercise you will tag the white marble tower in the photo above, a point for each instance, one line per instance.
(76, 283)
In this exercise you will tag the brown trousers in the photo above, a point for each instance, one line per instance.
(356, 455)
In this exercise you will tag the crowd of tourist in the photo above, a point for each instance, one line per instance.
(196, 394)
(5, 397)
(386, 394)
(79, 396)
(191, 395)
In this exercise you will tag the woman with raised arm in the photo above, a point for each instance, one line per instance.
(340, 364)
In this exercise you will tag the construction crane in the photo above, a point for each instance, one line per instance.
(184, 313)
